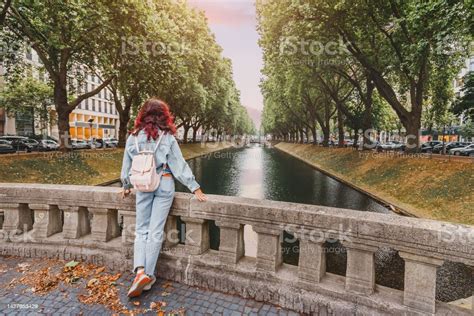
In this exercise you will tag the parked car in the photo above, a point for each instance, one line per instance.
(6, 147)
(21, 143)
(349, 143)
(111, 142)
(79, 144)
(463, 151)
(394, 145)
(48, 145)
(428, 146)
(438, 149)
(95, 143)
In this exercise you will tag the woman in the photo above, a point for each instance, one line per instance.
(154, 120)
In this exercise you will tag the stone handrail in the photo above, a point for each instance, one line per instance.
(95, 224)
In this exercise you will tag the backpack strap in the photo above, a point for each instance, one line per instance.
(156, 146)
(136, 144)
(158, 142)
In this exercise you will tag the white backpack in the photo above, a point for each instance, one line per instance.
(143, 171)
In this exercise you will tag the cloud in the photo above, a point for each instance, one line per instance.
(227, 13)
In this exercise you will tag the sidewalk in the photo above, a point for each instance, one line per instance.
(42, 286)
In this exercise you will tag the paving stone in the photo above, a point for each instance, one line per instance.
(193, 300)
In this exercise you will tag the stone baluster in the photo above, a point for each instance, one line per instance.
(171, 232)
(17, 218)
(76, 222)
(269, 256)
(197, 235)
(420, 282)
(104, 224)
(231, 247)
(312, 260)
(360, 273)
(47, 220)
(128, 230)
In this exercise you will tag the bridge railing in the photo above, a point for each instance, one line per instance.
(97, 225)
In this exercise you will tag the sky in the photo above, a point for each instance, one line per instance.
(234, 24)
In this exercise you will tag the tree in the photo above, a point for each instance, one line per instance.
(408, 42)
(464, 104)
(468, 130)
(67, 37)
(28, 95)
(4, 10)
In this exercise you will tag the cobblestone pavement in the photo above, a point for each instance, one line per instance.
(18, 298)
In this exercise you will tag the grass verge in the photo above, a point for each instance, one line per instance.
(428, 188)
(87, 167)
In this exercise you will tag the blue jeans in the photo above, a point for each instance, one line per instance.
(152, 211)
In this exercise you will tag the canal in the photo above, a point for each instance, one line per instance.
(267, 173)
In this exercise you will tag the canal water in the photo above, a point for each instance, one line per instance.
(267, 173)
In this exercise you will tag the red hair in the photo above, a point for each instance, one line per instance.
(153, 116)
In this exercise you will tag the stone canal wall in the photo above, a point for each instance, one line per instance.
(95, 224)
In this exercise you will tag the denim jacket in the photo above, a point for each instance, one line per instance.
(168, 152)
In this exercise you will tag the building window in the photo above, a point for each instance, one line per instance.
(100, 107)
(93, 105)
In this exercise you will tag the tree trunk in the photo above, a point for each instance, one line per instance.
(186, 130)
(123, 127)
(340, 127)
(63, 111)
(301, 136)
(367, 119)
(315, 136)
(413, 129)
(195, 130)
(326, 134)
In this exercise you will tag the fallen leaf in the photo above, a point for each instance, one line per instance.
(71, 264)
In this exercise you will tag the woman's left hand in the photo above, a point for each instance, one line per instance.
(200, 195)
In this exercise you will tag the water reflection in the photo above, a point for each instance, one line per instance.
(265, 173)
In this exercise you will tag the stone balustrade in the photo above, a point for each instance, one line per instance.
(95, 224)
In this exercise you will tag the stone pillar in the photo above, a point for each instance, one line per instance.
(420, 282)
(128, 231)
(171, 232)
(269, 256)
(231, 247)
(360, 273)
(197, 235)
(76, 222)
(104, 224)
(17, 218)
(312, 260)
(47, 220)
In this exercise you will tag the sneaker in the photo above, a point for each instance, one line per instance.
(149, 285)
(140, 281)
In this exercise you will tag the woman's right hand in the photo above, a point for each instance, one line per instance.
(200, 195)
(125, 193)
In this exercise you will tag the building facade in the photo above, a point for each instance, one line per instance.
(94, 117)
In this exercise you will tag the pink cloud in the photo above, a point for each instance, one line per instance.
(227, 13)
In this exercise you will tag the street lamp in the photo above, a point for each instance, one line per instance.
(91, 122)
